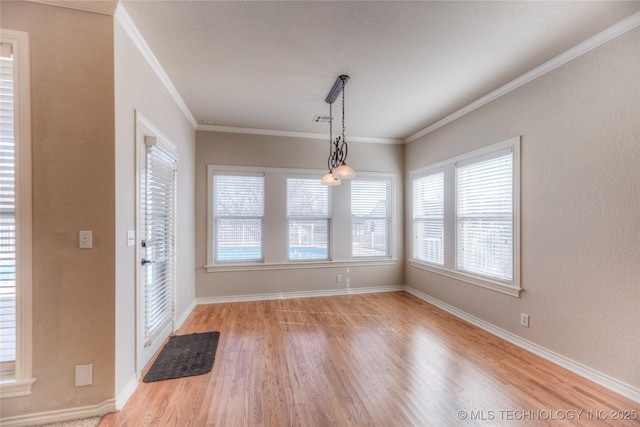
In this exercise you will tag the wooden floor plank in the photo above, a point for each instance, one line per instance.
(386, 359)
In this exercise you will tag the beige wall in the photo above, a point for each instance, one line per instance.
(580, 208)
(282, 152)
(72, 121)
(138, 88)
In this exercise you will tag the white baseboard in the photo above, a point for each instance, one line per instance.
(126, 392)
(60, 415)
(305, 294)
(597, 377)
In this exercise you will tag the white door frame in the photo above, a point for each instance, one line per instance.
(144, 128)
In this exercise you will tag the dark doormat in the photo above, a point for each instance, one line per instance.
(184, 356)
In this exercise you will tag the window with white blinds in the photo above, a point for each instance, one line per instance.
(308, 219)
(238, 215)
(465, 213)
(371, 217)
(159, 243)
(428, 218)
(15, 216)
(7, 215)
(484, 217)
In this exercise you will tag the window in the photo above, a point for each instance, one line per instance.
(15, 216)
(7, 216)
(371, 217)
(428, 218)
(484, 217)
(266, 218)
(308, 219)
(238, 211)
(465, 214)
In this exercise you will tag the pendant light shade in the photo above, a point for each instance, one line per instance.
(344, 171)
(330, 179)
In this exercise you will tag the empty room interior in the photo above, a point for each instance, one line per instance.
(393, 213)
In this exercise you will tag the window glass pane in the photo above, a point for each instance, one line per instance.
(239, 196)
(308, 239)
(238, 217)
(306, 197)
(308, 219)
(159, 218)
(428, 218)
(370, 217)
(484, 200)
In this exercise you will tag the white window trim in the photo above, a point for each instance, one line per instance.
(448, 269)
(211, 171)
(23, 379)
(213, 267)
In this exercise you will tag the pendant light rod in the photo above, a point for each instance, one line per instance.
(337, 88)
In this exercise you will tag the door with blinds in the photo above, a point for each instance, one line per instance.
(156, 241)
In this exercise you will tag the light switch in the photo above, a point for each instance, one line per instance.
(86, 240)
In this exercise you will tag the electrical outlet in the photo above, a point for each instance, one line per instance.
(524, 320)
(338, 278)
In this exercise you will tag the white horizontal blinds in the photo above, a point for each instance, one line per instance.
(7, 212)
(160, 208)
(308, 219)
(238, 210)
(371, 217)
(428, 218)
(484, 201)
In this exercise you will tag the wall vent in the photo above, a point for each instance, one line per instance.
(319, 118)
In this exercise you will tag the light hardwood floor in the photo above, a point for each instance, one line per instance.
(386, 359)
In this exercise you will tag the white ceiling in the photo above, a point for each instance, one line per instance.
(269, 65)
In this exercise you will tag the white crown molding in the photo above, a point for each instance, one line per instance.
(127, 23)
(580, 49)
(597, 377)
(291, 134)
(103, 7)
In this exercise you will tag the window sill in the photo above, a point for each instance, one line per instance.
(219, 268)
(16, 388)
(485, 283)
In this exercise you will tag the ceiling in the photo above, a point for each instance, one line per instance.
(269, 65)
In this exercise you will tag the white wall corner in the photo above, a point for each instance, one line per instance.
(126, 392)
(184, 315)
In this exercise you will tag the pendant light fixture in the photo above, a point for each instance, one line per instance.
(338, 149)
(329, 179)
